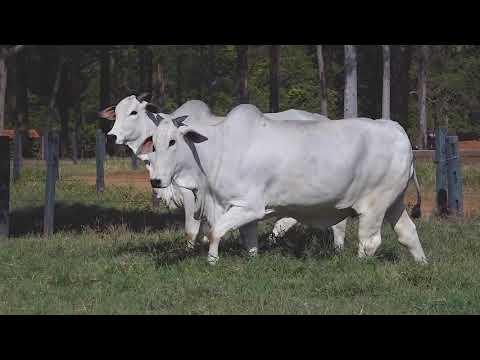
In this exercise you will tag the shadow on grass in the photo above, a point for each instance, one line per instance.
(75, 217)
(297, 243)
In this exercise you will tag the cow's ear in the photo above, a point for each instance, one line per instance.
(193, 135)
(108, 113)
(147, 146)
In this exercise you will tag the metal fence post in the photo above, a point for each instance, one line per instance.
(455, 180)
(100, 156)
(441, 171)
(4, 186)
(52, 173)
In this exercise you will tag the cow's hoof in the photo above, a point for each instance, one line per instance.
(338, 248)
(422, 261)
(272, 240)
(212, 259)
(253, 252)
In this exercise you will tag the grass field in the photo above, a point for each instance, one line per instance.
(114, 253)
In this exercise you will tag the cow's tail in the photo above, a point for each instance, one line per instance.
(416, 210)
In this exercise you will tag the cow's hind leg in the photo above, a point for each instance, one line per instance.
(249, 237)
(339, 234)
(281, 227)
(369, 233)
(406, 230)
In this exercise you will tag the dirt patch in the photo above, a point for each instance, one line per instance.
(136, 179)
(471, 201)
(141, 181)
(469, 145)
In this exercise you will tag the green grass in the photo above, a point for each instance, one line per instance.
(115, 254)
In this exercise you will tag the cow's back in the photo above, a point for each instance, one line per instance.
(308, 161)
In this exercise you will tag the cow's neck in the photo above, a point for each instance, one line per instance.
(200, 166)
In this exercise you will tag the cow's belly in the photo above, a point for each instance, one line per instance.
(319, 216)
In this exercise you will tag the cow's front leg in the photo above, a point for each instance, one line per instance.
(249, 238)
(234, 218)
(192, 226)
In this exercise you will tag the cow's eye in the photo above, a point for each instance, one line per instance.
(171, 143)
(133, 112)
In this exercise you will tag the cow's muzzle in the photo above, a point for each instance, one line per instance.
(156, 183)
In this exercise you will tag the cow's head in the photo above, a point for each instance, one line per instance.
(132, 123)
(168, 147)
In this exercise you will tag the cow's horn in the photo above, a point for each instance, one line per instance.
(144, 97)
(179, 121)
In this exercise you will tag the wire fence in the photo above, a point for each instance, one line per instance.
(129, 181)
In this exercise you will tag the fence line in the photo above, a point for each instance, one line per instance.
(4, 186)
(52, 174)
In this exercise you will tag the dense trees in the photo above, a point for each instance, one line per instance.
(66, 85)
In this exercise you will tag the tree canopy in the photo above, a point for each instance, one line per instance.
(209, 73)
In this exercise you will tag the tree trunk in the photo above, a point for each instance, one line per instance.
(63, 111)
(53, 99)
(211, 76)
(145, 65)
(116, 75)
(400, 56)
(179, 76)
(274, 64)
(159, 85)
(21, 123)
(322, 82)
(242, 74)
(422, 97)
(350, 98)
(4, 55)
(386, 82)
(3, 90)
(104, 77)
(52, 113)
(105, 95)
(77, 107)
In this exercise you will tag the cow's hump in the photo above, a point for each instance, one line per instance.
(194, 107)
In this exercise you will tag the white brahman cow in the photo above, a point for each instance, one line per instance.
(319, 172)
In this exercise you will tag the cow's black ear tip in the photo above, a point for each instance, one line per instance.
(195, 137)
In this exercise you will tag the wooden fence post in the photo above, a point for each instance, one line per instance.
(100, 156)
(134, 161)
(45, 146)
(74, 147)
(4, 186)
(52, 173)
(17, 155)
(441, 171)
(455, 180)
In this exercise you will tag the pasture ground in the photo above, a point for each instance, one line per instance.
(114, 253)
